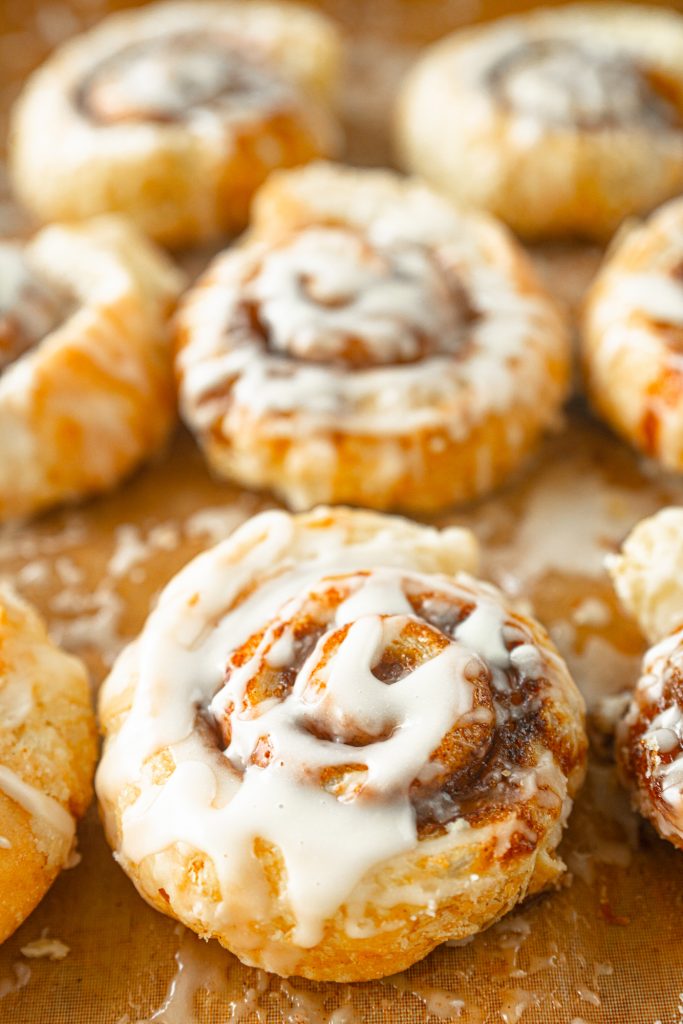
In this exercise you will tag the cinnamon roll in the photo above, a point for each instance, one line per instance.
(332, 749)
(86, 389)
(47, 758)
(633, 337)
(648, 578)
(560, 122)
(367, 343)
(175, 113)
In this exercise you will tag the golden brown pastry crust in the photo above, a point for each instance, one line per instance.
(350, 859)
(560, 122)
(633, 337)
(175, 113)
(47, 758)
(367, 343)
(85, 404)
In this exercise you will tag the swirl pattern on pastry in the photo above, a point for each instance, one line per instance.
(633, 337)
(181, 77)
(47, 758)
(359, 751)
(647, 576)
(368, 343)
(85, 370)
(559, 122)
(175, 114)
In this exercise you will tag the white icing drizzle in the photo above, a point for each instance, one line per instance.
(38, 804)
(273, 783)
(328, 285)
(652, 294)
(184, 74)
(396, 292)
(572, 82)
(16, 702)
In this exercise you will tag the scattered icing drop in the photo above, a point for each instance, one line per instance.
(45, 948)
(19, 977)
(588, 996)
(514, 1003)
(438, 1002)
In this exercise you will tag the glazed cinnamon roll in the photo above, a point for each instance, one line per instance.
(86, 388)
(47, 758)
(648, 578)
(633, 337)
(174, 114)
(331, 749)
(560, 122)
(367, 343)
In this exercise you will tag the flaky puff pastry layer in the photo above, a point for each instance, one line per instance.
(368, 343)
(633, 337)
(85, 404)
(331, 749)
(175, 113)
(560, 122)
(647, 576)
(47, 758)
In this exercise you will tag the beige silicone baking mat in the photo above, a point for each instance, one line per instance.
(608, 947)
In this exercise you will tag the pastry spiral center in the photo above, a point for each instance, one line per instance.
(330, 295)
(30, 306)
(173, 76)
(374, 686)
(570, 83)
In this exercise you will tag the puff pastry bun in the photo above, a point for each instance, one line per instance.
(633, 337)
(367, 343)
(560, 122)
(331, 749)
(648, 577)
(47, 758)
(86, 387)
(175, 113)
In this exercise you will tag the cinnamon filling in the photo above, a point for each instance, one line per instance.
(172, 77)
(30, 306)
(329, 296)
(473, 773)
(564, 82)
(654, 743)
